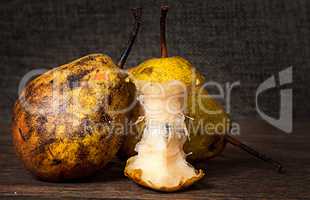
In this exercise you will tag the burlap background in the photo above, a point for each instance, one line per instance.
(245, 41)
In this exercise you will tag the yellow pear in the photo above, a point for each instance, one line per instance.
(66, 122)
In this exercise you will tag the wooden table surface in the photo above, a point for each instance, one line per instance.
(233, 175)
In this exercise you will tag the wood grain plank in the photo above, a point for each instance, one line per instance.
(233, 175)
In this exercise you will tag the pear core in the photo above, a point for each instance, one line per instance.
(161, 162)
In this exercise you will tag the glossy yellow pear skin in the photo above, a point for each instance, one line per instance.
(63, 124)
(205, 142)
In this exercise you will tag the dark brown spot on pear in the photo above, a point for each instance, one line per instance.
(56, 162)
(74, 79)
(147, 70)
(22, 135)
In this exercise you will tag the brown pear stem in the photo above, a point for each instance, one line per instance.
(163, 44)
(137, 14)
(253, 152)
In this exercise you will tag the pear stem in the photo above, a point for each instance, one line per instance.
(163, 44)
(137, 14)
(254, 153)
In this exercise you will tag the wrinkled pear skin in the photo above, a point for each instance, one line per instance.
(201, 145)
(58, 140)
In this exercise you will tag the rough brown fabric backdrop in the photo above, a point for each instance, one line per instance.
(245, 41)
